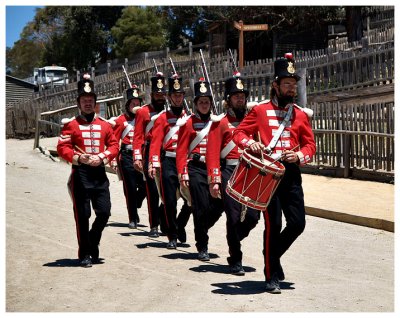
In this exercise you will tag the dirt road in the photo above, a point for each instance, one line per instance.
(332, 267)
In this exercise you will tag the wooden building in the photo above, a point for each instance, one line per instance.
(17, 89)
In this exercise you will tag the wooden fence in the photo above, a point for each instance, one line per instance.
(355, 140)
(336, 69)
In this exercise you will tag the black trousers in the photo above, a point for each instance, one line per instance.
(133, 183)
(236, 230)
(206, 209)
(289, 199)
(170, 186)
(155, 208)
(89, 185)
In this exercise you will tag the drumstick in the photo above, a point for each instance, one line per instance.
(83, 153)
(279, 158)
(262, 151)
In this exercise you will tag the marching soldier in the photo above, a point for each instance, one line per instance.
(284, 127)
(222, 156)
(163, 157)
(192, 170)
(133, 184)
(145, 117)
(88, 142)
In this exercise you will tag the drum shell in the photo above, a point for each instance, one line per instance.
(255, 180)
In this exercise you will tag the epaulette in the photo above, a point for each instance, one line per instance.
(135, 109)
(102, 118)
(154, 117)
(217, 118)
(112, 121)
(67, 120)
(308, 111)
(251, 105)
(182, 120)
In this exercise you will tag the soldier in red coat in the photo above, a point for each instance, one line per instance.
(222, 156)
(192, 170)
(88, 142)
(133, 183)
(163, 160)
(145, 118)
(285, 132)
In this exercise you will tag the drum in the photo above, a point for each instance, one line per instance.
(255, 179)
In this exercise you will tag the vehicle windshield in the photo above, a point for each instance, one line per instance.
(55, 73)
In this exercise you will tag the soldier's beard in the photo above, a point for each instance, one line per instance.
(284, 100)
(89, 117)
(158, 104)
(176, 110)
(239, 112)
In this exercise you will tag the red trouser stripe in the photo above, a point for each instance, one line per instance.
(71, 189)
(266, 245)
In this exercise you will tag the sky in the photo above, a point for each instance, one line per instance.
(16, 19)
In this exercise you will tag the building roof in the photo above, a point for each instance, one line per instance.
(20, 82)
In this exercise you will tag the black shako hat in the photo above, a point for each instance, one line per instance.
(202, 88)
(158, 83)
(284, 67)
(175, 84)
(234, 85)
(86, 86)
(131, 93)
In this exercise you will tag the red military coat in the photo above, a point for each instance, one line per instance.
(161, 130)
(266, 118)
(119, 125)
(96, 138)
(143, 127)
(220, 136)
(187, 133)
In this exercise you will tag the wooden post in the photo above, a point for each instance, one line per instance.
(190, 50)
(302, 87)
(346, 155)
(37, 134)
(250, 27)
(241, 54)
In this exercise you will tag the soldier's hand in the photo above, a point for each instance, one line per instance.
(152, 172)
(138, 165)
(214, 190)
(95, 161)
(289, 156)
(256, 147)
(84, 158)
(184, 183)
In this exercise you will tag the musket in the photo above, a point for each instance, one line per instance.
(166, 99)
(127, 77)
(204, 67)
(233, 61)
(187, 109)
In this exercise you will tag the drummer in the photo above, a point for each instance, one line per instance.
(222, 156)
(192, 170)
(285, 129)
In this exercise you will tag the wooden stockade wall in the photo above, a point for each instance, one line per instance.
(355, 139)
(341, 67)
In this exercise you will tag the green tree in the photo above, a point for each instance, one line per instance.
(76, 37)
(25, 55)
(140, 29)
(187, 23)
